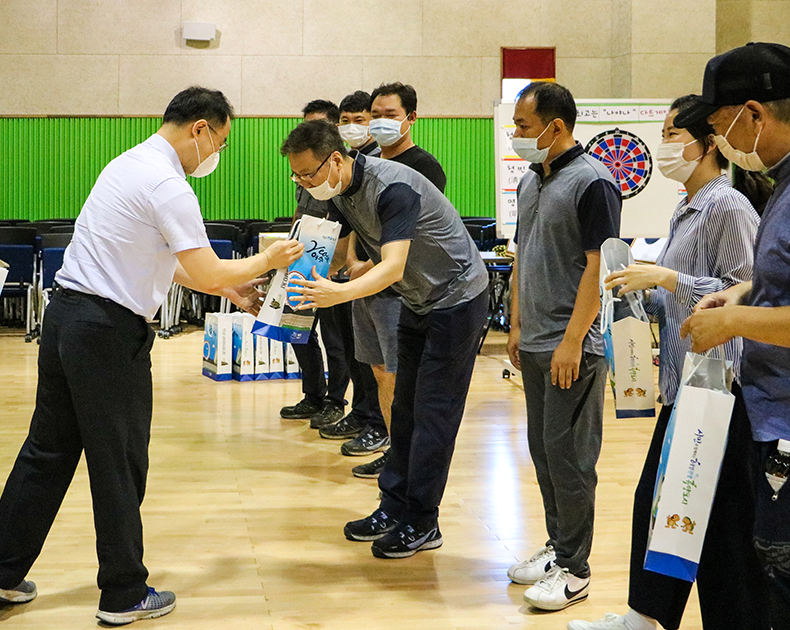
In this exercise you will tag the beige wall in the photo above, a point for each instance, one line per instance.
(742, 21)
(115, 57)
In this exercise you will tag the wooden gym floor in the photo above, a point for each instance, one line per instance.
(244, 513)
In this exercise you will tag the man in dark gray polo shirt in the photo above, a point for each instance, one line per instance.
(568, 205)
(420, 247)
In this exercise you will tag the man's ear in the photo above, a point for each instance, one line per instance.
(559, 126)
(756, 111)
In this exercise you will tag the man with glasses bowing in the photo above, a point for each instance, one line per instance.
(419, 246)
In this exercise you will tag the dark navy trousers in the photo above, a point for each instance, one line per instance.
(436, 357)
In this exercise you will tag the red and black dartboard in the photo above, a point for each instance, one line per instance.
(627, 158)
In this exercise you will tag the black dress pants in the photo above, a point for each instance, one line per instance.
(94, 395)
(730, 583)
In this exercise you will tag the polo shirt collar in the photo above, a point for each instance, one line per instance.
(160, 144)
(561, 160)
(780, 170)
(356, 177)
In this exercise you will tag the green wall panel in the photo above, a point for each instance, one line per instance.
(48, 165)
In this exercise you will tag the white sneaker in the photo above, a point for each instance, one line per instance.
(552, 592)
(610, 622)
(534, 569)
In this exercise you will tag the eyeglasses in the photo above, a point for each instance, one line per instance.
(224, 145)
(306, 178)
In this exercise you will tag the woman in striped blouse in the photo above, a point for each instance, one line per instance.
(710, 248)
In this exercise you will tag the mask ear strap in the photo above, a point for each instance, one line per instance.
(733, 122)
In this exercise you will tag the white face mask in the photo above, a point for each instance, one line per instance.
(354, 135)
(386, 131)
(671, 162)
(324, 191)
(747, 161)
(207, 166)
(527, 148)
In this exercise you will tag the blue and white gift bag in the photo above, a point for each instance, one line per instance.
(218, 346)
(688, 471)
(243, 347)
(627, 339)
(278, 318)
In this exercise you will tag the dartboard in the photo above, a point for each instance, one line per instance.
(627, 158)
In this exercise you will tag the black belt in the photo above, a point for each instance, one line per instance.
(58, 288)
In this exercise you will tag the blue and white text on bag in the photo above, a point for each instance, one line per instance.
(688, 471)
(278, 317)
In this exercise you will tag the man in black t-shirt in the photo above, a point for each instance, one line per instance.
(393, 111)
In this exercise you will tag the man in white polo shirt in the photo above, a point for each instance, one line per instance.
(139, 229)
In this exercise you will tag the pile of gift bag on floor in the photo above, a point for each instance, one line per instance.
(231, 351)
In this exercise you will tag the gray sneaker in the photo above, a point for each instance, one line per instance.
(371, 440)
(23, 592)
(156, 604)
(371, 470)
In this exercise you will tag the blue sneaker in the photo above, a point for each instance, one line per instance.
(23, 592)
(154, 605)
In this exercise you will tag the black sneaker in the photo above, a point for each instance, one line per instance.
(371, 440)
(304, 409)
(330, 413)
(343, 429)
(371, 470)
(155, 604)
(370, 528)
(404, 541)
(23, 592)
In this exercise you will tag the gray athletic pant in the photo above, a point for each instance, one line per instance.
(564, 430)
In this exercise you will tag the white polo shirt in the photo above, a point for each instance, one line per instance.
(140, 213)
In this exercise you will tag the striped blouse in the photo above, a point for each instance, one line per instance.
(711, 246)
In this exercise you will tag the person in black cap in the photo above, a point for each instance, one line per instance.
(746, 98)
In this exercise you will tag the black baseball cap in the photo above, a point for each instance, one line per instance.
(755, 72)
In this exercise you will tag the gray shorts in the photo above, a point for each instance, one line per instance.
(376, 330)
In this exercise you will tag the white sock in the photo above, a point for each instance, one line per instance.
(636, 621)
(575, 583)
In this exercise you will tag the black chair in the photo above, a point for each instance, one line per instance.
(63, 228)
(243, 238)
(225, 239)
(18, 249)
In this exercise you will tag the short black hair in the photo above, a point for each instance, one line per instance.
(552, 100)
(700, 130)
(196, 103)
(406, 93)
(319, 136)
(359, 101)
(321, 106)
(780, 110)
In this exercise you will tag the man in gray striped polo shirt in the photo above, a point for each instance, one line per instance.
(568, 205)
(420, 247)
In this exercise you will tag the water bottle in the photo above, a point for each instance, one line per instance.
(777, 467)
